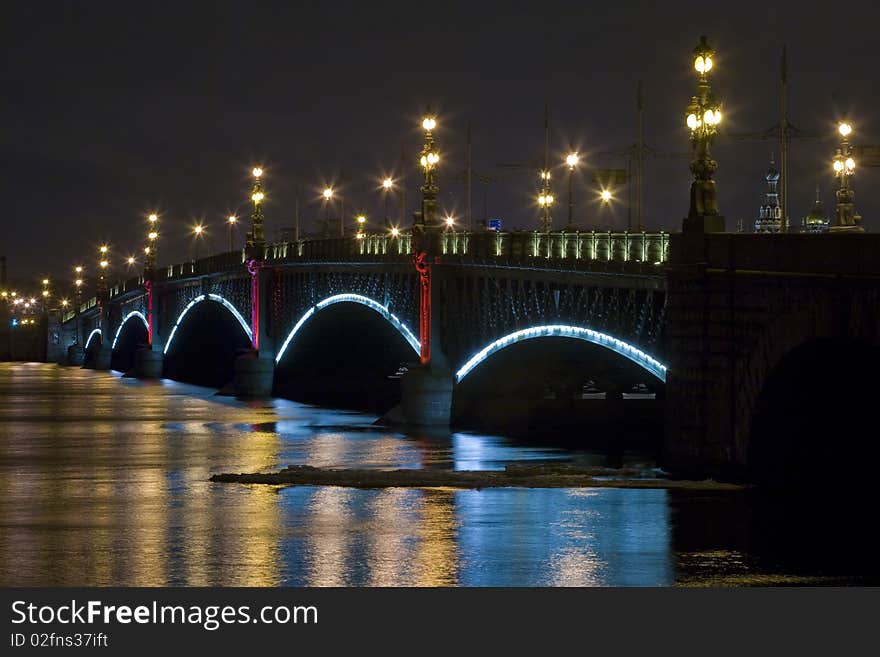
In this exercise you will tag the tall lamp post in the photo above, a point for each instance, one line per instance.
(387, 186)
(426, 232)
(151, 249)
(846, 219)
(255, 238)
(231, 221)
(103, 264)
(545, 200)
(571, 160)
(198, 231)
(328, 196)
(702, 118)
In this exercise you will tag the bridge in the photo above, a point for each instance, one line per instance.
(735, 331)
(490, 290)
(763, 349)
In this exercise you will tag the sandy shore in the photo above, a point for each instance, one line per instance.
(519, 476)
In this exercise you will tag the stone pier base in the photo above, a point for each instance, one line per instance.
(253, 376)
(75, 355)
(148, 364)
(102, 359)
(426, 397)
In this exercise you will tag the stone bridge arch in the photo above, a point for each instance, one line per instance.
(644, 360)
(201, 298)
(372, 304)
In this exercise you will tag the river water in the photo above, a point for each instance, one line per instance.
(104, 481)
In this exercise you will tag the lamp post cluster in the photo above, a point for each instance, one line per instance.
(545, 201)
(702, 117)
(255, 237)
(846, 219)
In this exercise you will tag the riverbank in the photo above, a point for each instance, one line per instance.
(514, 476)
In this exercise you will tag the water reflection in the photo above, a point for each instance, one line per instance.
(104, 481)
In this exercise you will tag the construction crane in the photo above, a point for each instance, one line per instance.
(636, 153)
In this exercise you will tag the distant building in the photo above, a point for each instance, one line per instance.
(770, 214)
(816, 221)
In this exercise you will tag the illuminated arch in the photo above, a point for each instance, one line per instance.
(639, 357)
(209, 297)
(94, 332)
(134, 313)
(390, 317)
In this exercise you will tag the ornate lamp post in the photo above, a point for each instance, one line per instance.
(545, 200)
(571, 160)
(151, 248)
(702, 118)
(846, 219)
(103, 264)
(426, 231)
(255, 238)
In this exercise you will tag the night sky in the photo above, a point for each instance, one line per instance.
(112, 110)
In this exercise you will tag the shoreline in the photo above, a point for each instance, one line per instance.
(517, 476)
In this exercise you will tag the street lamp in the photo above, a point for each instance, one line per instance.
(361, 223)
(103, 263)
(198, 230)
(571, 160)
(230, 220)
(702, 117)
(429, 159)
(151, 248)
(328, 197)
(255, 239)
(387, 186)
(545, 200)
(450, 222)
(846, 219)
(605, 195)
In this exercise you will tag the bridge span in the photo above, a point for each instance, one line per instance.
(734, 331)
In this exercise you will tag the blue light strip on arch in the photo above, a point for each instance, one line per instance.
(92, 335)
(392, 319)
(134, 313)
(211, 297)
(625, 349)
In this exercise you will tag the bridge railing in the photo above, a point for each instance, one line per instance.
(604, 246)
(574, 247)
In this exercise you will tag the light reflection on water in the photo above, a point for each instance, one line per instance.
(104, 481)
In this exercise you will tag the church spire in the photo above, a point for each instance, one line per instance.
(770, 214)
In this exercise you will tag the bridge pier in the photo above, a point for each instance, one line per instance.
(75, 355)
(102, 358)
(148, 363)
(426, 397)
(253, 376)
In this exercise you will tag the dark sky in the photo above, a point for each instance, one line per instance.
(111, 110)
